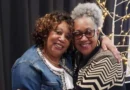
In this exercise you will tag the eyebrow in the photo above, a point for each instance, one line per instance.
(84, 30)
(59, 28)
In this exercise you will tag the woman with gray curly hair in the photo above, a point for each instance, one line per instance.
(95, 69)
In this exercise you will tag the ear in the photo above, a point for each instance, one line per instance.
(45, 36)
(98, 32)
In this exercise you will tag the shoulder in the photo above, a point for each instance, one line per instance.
(30, 56)
(107, 59)
(29, 62)
(23, 69)
(105, 55)
(23, 75)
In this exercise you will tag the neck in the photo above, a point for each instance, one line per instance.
(52, 59)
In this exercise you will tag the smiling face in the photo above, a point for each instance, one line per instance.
(85, 45)
(58, 40)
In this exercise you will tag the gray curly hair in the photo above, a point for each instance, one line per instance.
(88, 10)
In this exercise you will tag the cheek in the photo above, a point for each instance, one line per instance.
(95, 41)
(68, 44)
(50, 40)
(76, 43)
(49, 43)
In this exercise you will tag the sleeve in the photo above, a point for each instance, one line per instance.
(103, 72)
(25, 77)
(111, 72)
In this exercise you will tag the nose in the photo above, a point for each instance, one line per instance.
(84, 38)
(62, 38)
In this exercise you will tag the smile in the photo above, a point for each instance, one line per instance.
(59, 46)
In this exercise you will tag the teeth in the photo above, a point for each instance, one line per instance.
(84, 45)
(59, 46)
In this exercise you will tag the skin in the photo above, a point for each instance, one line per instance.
(57, 42)
(85, 45)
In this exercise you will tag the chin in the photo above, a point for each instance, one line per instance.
(59, 53)
(85, 53)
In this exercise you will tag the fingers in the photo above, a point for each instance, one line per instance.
(105, 42)
(108, 45)
(117, 55)
(104, 47)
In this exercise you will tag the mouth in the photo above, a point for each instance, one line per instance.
(85, 45)
(59, 46)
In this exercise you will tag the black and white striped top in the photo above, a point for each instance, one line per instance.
(100, 72)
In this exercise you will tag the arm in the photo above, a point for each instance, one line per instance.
(26, 78)
(102, 73)
(116, 72)
(113, 71)
(107, 44)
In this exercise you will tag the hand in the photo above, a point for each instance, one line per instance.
(107, 44)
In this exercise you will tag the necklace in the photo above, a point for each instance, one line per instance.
(57, 64)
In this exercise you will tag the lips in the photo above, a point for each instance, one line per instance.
(85, 45)
(59, 46)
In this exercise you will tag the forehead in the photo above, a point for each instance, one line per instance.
(83, 23)
(63, 26)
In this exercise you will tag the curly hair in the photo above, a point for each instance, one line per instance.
(88, 10)
(48, 23)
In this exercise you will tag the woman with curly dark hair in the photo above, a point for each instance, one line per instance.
(45, 66)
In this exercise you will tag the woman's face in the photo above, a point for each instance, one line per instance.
(85, 43)
(58, 40)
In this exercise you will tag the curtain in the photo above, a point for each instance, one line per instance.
(17, 18)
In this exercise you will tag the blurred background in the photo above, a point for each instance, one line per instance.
(17, 19)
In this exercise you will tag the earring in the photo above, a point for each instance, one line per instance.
(98, 43)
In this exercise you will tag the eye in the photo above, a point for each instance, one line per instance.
(68, 36)
(77, 33)
(89, 33)
(59, 32)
